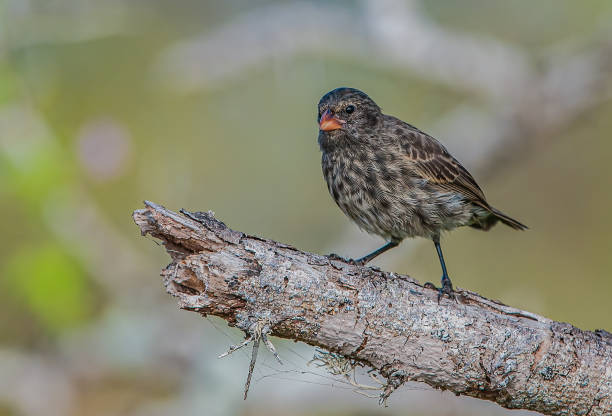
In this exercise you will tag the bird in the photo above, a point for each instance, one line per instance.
(394, 180)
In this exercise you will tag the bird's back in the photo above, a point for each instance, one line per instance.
(432, 161)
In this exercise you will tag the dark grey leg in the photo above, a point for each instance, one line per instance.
(447, 286)
(363, 260)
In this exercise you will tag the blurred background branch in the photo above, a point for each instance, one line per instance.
(529, 95)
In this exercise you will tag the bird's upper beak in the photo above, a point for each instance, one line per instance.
(330, 122)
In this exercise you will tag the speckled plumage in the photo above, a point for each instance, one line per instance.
(383, 195)
(391, 178)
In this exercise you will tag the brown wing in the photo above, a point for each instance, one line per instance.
(430, 160)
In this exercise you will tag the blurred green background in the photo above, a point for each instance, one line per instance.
(211, 105)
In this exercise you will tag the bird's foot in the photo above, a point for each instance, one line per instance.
(354, 262)
(446, 289)
(334, 256)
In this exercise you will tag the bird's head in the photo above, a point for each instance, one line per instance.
(347, 113)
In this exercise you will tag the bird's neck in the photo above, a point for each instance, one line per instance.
(331, 142)
(341, 141)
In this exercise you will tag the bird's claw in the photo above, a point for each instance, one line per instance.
(334, 256)
(357, 262)
(354, 262)
(446, 289)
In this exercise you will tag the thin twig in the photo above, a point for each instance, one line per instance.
(251, 367)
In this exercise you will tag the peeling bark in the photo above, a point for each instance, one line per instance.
(475, 347)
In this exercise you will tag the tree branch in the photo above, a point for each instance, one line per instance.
(475, 347)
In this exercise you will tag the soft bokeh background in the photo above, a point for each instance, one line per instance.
(211, 105)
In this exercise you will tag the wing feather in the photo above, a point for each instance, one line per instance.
(430, 160)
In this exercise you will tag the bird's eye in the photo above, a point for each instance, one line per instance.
(349, 109)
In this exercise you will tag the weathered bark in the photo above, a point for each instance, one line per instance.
(476, 347)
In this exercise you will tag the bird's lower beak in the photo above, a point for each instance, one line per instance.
(330, 122)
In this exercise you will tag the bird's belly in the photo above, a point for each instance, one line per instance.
(395, 207)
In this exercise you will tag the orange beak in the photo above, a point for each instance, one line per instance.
(329, 122)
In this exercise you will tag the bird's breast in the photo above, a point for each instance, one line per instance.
(384, 196)
(373, 191)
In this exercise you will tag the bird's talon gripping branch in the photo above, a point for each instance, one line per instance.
(446, 289)
(334, 256)
(354, 262)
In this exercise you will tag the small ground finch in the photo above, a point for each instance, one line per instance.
(394, 180)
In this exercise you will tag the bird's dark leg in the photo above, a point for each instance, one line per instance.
(363, 260)
(447, 286)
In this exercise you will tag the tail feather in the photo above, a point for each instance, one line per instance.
(485, 222)
(510, 222)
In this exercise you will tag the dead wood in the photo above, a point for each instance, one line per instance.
(389, 322)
